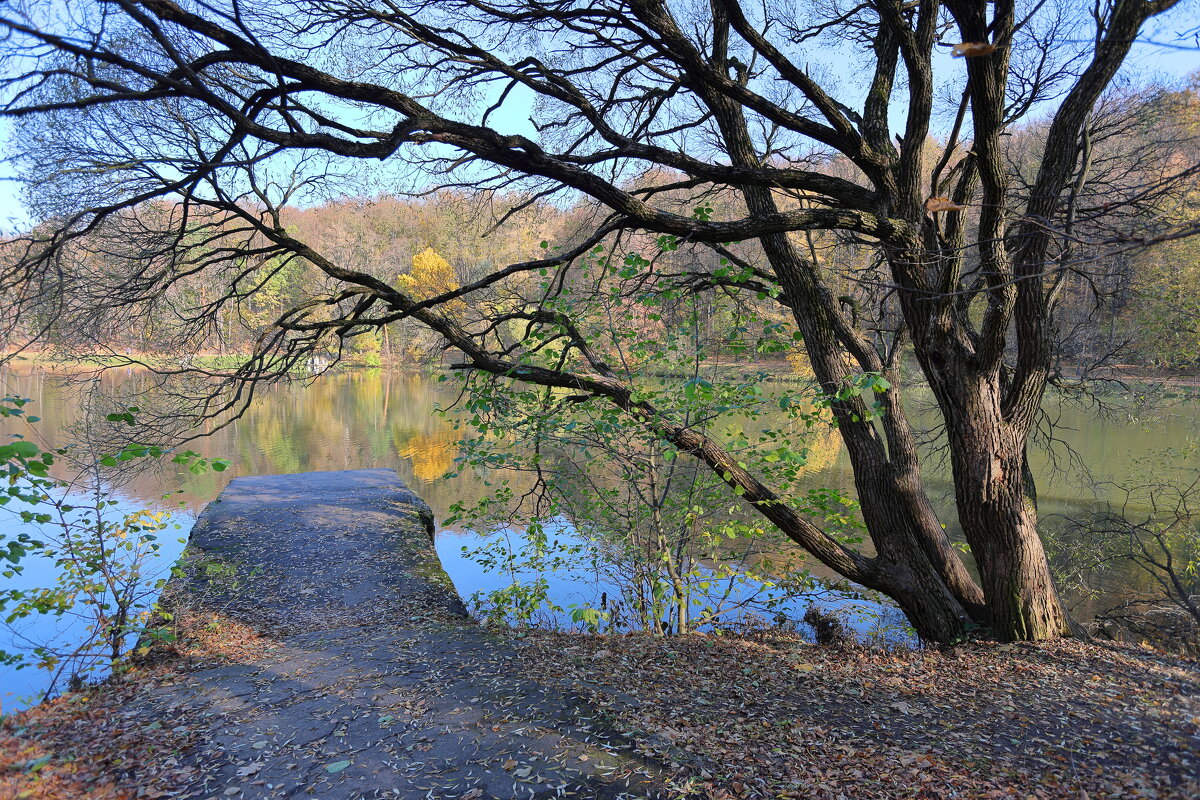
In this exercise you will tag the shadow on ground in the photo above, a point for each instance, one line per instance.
(367, 678)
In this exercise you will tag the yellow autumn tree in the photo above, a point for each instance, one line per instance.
(430, 276)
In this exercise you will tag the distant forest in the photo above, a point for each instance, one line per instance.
(1139, 307)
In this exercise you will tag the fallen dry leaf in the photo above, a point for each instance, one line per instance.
(739, 719)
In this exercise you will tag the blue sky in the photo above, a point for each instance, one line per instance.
(1155, 57)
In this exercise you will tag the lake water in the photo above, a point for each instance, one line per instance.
(64, 633)
(377, 418)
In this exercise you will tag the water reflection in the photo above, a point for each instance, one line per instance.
(63, 634)
(344, 420)
(383, 418)
(580, 581)
(380, 418)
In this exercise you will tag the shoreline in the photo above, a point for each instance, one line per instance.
(299, 663)
(1132, 376)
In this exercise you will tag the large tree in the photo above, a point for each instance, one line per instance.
(171, 137)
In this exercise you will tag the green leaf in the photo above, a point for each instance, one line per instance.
(36, 764)
(337, 766)
(24, 449)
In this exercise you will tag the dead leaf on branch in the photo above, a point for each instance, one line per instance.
(935, 204)
(971, 49)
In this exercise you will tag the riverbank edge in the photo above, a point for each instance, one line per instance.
(87, 745)
(1120, 379)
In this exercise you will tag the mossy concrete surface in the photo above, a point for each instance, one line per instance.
(371, 680)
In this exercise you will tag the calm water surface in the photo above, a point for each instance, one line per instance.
(378, 418)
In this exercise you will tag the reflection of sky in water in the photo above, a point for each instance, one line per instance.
(577, 583)
(18, 686)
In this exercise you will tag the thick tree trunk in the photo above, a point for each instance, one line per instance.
(924, 575)
(908, 575)
(932, 610)
(915, 565)
(998, 518)
(1020, 592)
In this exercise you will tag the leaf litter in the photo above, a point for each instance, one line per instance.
(290, 684)
(772, 716)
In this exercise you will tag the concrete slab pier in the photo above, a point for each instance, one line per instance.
(371, 681)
